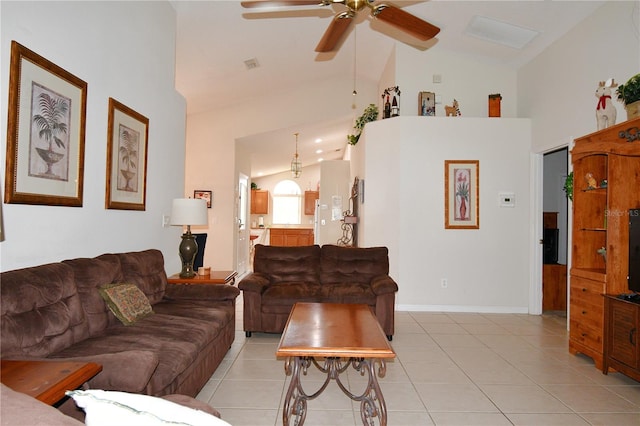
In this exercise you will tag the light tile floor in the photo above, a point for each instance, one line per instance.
(451, 369)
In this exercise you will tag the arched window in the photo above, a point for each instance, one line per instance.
(287, 203)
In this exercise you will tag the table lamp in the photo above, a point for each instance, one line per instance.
(188, 211)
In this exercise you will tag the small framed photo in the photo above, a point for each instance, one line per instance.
(205, 195)
(461, 194)
(427, 104)
(45, 132)
(127, 142)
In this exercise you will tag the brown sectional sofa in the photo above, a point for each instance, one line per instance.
(55, 311)
(283, 276)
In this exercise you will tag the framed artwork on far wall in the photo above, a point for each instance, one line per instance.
(205, 195)
(461, 194)
(127, 142)
(45, 132)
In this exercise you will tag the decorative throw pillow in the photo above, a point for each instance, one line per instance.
(127, 302)
(107, 408)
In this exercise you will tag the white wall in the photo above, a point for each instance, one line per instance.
(557, 89)
(487, 269)
(123, 50)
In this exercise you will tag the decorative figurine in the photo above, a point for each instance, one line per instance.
(452, 111)
(591, 181)
(605, 111)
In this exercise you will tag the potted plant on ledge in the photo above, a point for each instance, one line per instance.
(370, 114)
(629, 94)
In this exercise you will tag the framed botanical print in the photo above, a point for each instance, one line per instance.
(127, 143)
(461, 194)
(45, 132)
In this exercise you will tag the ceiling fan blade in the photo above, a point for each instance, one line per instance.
(276, 3)
(405, 21)
(334, 33)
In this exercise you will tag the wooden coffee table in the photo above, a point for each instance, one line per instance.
(333, 337)
(47, 380)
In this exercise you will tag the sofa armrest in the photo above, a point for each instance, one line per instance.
(127, 371)
(254, 282)
(201, 292)
(383, 284)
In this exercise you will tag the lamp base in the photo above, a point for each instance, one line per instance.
(187, 250)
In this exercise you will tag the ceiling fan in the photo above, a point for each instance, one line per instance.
(388, 13)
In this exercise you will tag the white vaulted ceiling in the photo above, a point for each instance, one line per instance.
(215, 38)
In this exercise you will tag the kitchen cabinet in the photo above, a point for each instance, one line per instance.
(606, 169)
(310, 198)
(290, 237)
(259, 201)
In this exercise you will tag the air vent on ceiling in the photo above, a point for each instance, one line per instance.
(251, 63)
(500, 32)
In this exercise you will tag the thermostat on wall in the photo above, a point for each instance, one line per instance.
(507, 199)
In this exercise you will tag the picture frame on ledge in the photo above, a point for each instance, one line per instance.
(45, 132)
(427, 104)
(462, 195)
(127, 142)
(205, 195)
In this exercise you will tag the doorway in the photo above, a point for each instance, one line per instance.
(555, 232)
(242, 245)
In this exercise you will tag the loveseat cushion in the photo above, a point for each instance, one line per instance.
(288, 264)
(41, 311)
(288, 293)
(352, 264)
(348, 293)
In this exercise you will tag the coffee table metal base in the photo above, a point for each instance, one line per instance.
(372, 405)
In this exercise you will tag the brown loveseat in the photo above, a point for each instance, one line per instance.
(55, 311)
(283, 276)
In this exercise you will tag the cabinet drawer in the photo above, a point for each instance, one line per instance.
(586, 334)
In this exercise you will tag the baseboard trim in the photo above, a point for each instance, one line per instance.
(464, 308)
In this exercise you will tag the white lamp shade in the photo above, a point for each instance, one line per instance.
(189, 211)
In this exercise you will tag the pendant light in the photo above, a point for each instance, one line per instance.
(296, 165)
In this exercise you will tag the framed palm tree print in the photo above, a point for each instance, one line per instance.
(461, 194)
(127, 142)
(45, 132)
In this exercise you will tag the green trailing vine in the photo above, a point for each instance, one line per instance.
(568, 186)
(370, 114)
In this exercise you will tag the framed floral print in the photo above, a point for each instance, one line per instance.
(127, 142)
(205, 195)
(461, 194)
(45, 132)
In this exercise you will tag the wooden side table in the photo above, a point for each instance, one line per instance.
(215, 277)
(46, 381)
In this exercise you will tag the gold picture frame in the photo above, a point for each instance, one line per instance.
(45, 132)
(461, 194)
(127, 144)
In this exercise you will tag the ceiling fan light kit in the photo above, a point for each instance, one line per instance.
(341, 22)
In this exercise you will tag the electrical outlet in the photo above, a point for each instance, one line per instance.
(444, 283)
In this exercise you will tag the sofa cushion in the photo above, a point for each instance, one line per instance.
(127, 302)
(288, 264)
(127, 371)
(41, 311)
(17, 408)
(353, 264)
(175, 340)
(146, 270)
(89, 275)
